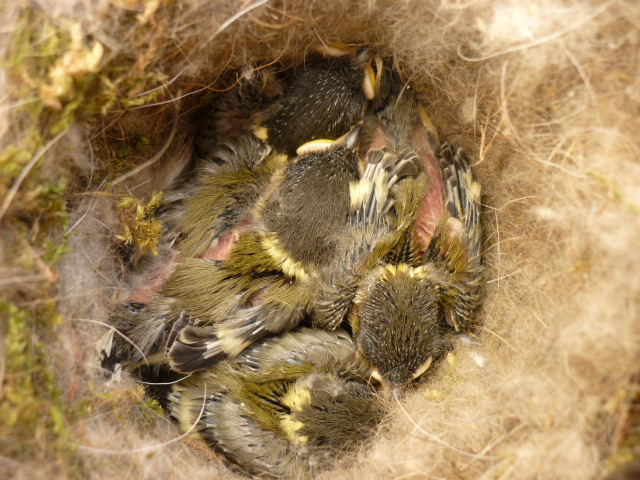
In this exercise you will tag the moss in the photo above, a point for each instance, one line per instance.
(152, 411)
(141, 228)
(41, 64)
(53, 68)
(66, 77)
(31, 402)
(62, 79)
(138, 88)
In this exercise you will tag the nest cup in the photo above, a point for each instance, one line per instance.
(103, 104)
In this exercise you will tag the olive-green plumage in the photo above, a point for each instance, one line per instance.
(408, 309)
(424, 283)
(320, 216)
(285, 407)
(314, 228)
(373, 228)
(229, 171)
(227, 193)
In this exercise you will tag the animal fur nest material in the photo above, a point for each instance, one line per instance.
(99, 101)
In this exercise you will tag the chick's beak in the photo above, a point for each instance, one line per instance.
(384, 385)
(390, 385)
(315, 146)
(423, 368)
(372, 77)
(350, 139)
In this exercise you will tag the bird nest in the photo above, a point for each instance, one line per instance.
(99, 111)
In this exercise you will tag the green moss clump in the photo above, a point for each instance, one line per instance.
(141, 228)
(33, 412)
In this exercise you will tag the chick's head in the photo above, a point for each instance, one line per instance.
(399, 322)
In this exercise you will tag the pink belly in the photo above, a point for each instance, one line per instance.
(432, 208)
(226, 243)
(163, 272)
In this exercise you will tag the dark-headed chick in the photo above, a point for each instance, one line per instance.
(302, 234)
(408, 308)
(325, 97)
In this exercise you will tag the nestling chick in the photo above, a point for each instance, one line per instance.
(273, 277)
(285, 407)
(210, 308)
(407, 312)
(210, 206)
(325, 98)
(232, 169)
(228, 191)
(203, 219)
(276, 271)
(211, 202)
(405, 301)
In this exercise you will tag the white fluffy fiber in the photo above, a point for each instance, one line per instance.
(545, 97)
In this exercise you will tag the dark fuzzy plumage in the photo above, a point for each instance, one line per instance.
(325, 99)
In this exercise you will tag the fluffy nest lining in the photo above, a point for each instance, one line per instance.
(100, 102)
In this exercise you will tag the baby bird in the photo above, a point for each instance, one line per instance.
(212, 308)
(285, 407)
(405, 301)
(407, 309)
(210, 207)
(220, 207)
(273, 275)
(211, 202)
(325, 98)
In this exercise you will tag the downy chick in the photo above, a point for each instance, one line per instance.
(326, 96)
(204, 215)
(272, 278)
(210, 202)
(210, 206)
(286, 407)
(408, 308)
(405, 303)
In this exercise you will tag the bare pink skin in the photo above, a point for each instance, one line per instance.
(227, 243)
(380, 139)
(163, 272)
(228, 124)
(431, 212)
(432, 207)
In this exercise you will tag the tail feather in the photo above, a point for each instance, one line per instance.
(196, 348)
